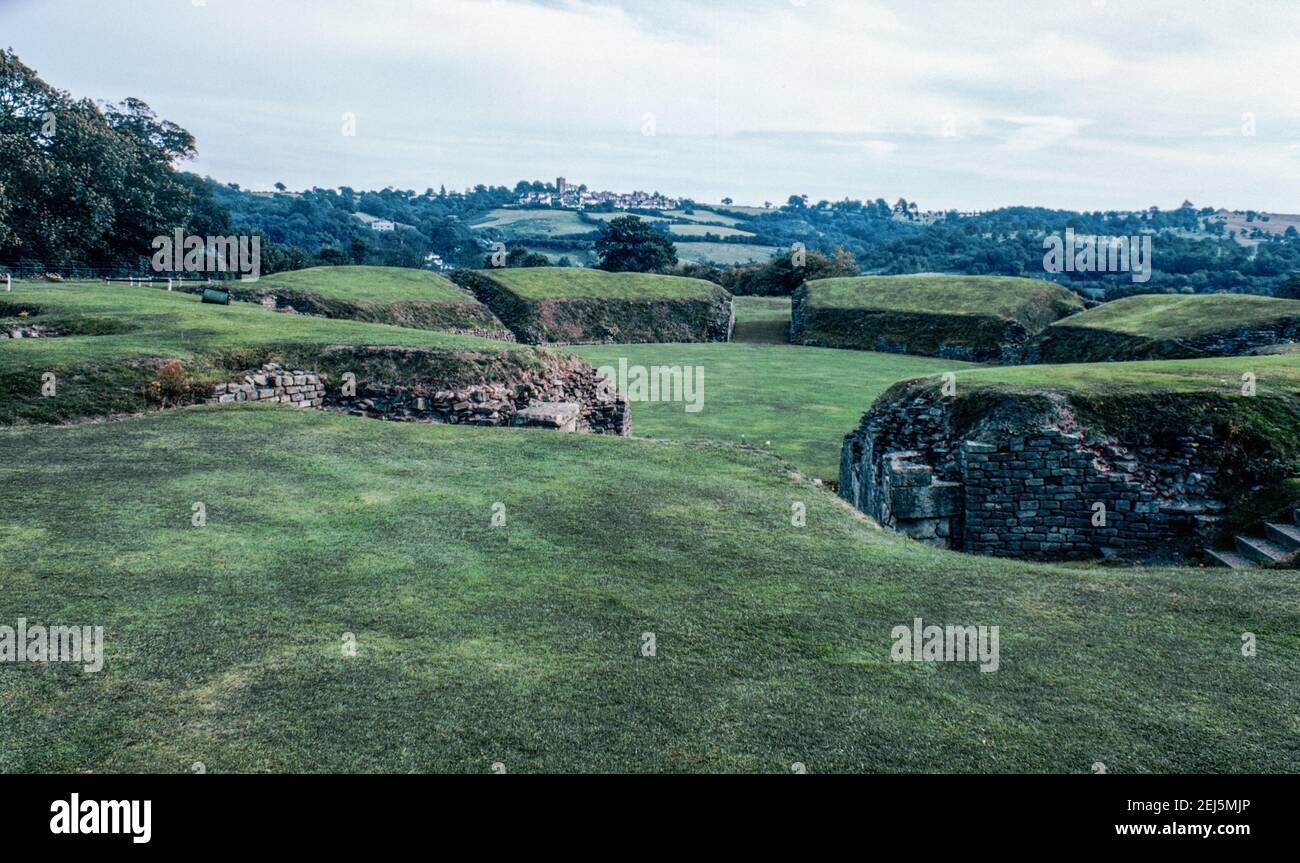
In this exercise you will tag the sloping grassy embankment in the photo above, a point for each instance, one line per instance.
(116, 338)
(1169, 326)
(981, 318)
(385, 295)
(565, 305)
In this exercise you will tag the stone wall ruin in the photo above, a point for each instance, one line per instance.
(558, 397)
(1053, 492)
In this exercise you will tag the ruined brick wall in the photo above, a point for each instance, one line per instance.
(601, 410)
(1054, 493)
(271, 383)
(9, 330)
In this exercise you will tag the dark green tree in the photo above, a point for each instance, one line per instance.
(85, 185)
(630, 245)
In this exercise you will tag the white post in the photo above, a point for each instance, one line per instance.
(169, 284)
(9, 282)
(130, 281)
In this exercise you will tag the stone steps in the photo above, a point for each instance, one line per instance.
(1259, 550)
(1280, 541)
(1230, 559)
(1285, 535)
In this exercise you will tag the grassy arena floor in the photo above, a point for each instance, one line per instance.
(761, 391)
(520, 644)
(797, 401)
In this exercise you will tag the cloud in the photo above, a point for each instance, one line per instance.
(1037, 133)
(971, 104)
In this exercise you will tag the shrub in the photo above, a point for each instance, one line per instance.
(172, 386)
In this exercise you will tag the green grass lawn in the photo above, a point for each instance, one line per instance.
(1170, 326)
(1025, 300)
(519, 644)
(797, 401)
(542, 283)
(147, 322)
(1277, 373)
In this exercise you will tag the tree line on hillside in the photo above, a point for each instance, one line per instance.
(1191, 251)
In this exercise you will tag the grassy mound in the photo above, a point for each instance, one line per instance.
(521, 643)
(980, 318)
(566, 305)
(116, 339)
(1171, 326)
(385, 295)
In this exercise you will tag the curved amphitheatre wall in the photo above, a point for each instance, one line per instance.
(970, 338)
(463, 318)
(1078, 344)
(980, 319)
(1034, 476)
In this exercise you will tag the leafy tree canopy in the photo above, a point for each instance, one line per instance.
(628, 244)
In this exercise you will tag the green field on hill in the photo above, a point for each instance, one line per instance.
(702, 215)
(609, 217)
(725, 254)
(535, 223)
(702, 230)
(521, 644)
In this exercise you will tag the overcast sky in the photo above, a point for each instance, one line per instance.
(1081, 104)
